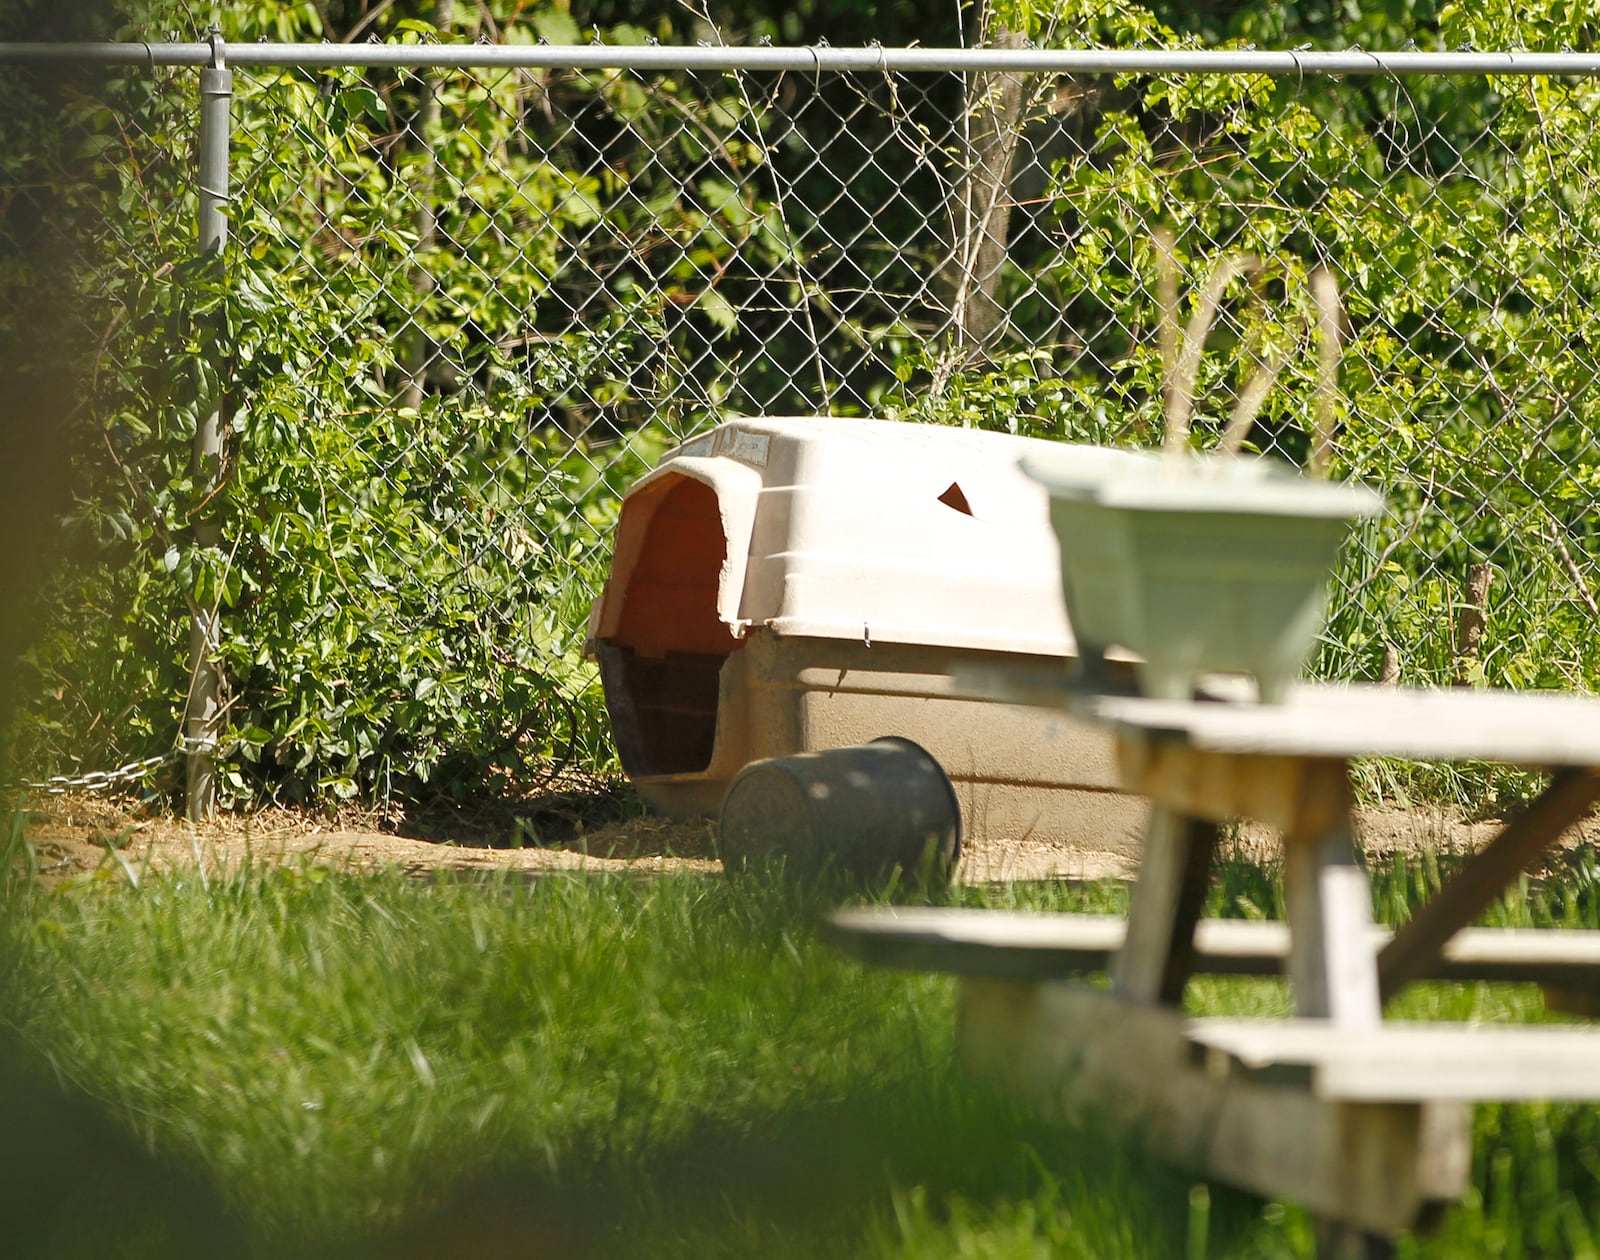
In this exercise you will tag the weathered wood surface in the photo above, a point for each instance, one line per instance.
(1530, 728)
(1157, 954)
(1290, 794)
(1082, 1053)
(1307, 798)
(1396, 1062)
(1340, 721)
(1485, 875)
(1329, 904)
(1028, 945)
(1363, 1122)
(1045, 688)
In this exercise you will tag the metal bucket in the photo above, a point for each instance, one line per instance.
(861, 812)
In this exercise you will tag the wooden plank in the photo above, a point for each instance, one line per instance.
(1046, 687)
(1083, 1053)
(1031, 945)
(1281, 791)
(1157, 955)
(1533, 728)
(1541, 729)
(1486, 874)
(1407, 1062)
(1326, 891)
(976, 942)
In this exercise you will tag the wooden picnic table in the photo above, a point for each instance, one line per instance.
(1363, 1120)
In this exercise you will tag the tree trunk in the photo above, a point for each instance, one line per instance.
(995, 102)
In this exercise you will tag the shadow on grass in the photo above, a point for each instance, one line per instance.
(812, 1180)
(901, 1156)
(825, 1180)
(73, 1183)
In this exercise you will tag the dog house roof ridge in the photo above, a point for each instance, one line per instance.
(890, 435)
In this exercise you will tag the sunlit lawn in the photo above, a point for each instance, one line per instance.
(328, 1063)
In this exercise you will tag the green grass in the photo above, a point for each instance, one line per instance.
(326, 1063)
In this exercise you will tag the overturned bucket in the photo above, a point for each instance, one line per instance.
(862, 812)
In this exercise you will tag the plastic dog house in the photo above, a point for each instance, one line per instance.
(789, 585)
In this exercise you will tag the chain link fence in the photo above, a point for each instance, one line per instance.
(461, 308)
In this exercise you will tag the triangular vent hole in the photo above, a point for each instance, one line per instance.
(953, 498)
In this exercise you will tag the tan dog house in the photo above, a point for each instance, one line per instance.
(788, 585)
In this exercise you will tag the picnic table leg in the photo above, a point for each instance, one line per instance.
(1329, 901)
(1157, 955)
(1331, 965)
(1486, 874)
(1347, 1242)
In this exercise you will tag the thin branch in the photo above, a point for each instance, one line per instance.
(1194, 340)
(1167, 302)
(1329, 348)
(1573, 572)
(1250, 401)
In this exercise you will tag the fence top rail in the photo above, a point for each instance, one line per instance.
(811, 58)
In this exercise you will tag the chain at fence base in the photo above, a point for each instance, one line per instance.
(104, 780)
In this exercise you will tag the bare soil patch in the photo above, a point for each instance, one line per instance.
(73, 836)
(588, 830)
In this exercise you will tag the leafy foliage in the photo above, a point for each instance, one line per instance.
(397, 570)
(459, 312)
(1452, 212)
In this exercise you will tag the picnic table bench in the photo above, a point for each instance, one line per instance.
(1365, 1121)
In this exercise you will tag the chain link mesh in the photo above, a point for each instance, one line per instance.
(534, 282)
(127, 776)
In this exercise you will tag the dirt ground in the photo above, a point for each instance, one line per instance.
(586, 830)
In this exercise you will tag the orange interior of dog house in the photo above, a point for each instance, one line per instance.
(661, 664)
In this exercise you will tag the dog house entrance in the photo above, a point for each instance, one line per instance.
(661, 667)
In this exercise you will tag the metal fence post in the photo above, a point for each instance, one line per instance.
(419, 353)
(202, 716)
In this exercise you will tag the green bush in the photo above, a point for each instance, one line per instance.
(1452, 212)
(429, 418)
(400, 569)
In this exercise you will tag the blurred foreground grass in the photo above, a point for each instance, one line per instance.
(302, 1061)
